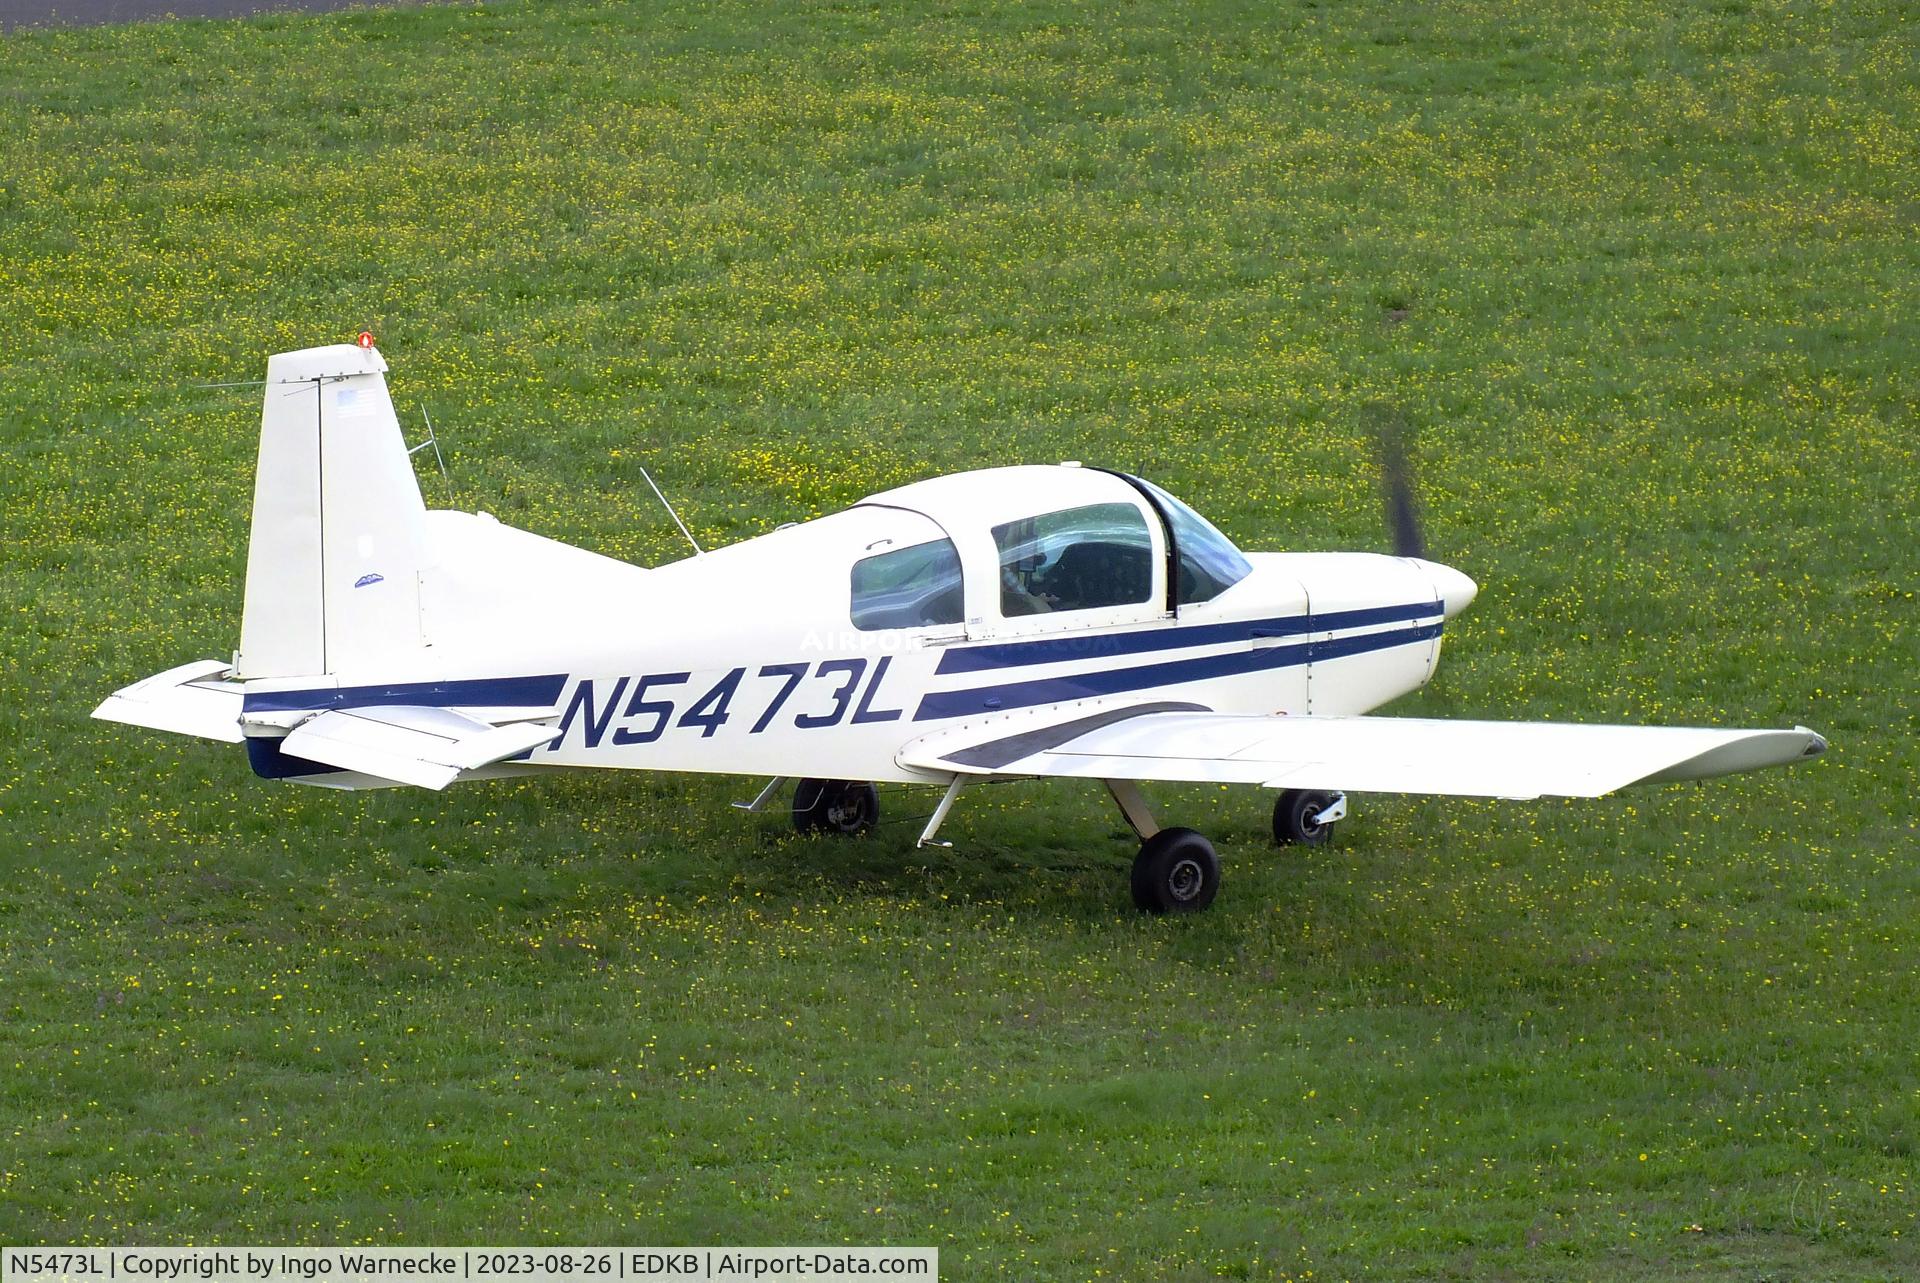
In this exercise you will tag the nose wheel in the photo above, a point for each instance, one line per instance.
(1306, 817)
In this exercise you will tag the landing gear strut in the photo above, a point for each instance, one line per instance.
(840, 807)
(1177, 870)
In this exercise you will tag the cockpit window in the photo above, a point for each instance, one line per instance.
(1077, 559)
(1209, 563)
(909, 587)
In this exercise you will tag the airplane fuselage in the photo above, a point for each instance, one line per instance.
(764, 667)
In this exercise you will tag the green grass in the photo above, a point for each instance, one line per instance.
(1643, 279)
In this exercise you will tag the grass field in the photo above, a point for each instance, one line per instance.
(1642, 277)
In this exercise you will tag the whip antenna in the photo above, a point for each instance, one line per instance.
(433, 441)
(697, 549)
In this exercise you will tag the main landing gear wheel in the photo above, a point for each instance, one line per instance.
(1175, 872)
(1293, 817)
(835, 806)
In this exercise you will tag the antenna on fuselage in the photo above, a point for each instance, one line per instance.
(697, 549)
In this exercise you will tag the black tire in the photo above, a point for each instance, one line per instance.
(840, 807)
(1176, 871)
(1293, 813)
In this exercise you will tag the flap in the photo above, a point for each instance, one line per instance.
(193, 699)
(1361, 754)
(428, 747)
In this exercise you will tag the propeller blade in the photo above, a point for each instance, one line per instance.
(1391, 438)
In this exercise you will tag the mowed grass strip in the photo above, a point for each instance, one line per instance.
(1642, 281)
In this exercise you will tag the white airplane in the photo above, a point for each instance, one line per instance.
(1003, 623)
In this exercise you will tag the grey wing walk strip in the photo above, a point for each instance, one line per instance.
(994, 754)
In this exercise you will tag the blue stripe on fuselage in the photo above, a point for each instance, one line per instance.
(512, 692)
(1114, 681)
(1056, 650)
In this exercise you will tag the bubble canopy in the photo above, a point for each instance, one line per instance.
(1015, 531)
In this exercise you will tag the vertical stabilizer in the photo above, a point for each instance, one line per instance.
(338, 543)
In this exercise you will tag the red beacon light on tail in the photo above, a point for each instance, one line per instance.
(365, 339)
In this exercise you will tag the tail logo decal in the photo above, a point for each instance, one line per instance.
(364, 580)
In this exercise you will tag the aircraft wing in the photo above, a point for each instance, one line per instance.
(419, 745)
(1183, 742)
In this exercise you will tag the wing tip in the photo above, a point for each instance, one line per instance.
(1816, 742)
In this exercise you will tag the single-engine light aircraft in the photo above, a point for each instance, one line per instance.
(1003, 623)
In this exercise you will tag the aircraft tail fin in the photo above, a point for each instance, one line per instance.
(339, 542)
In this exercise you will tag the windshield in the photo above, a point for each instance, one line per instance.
(1209, 563)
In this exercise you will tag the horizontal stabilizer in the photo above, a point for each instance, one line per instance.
(193, 699)
(427, 747)
(1361, 754)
